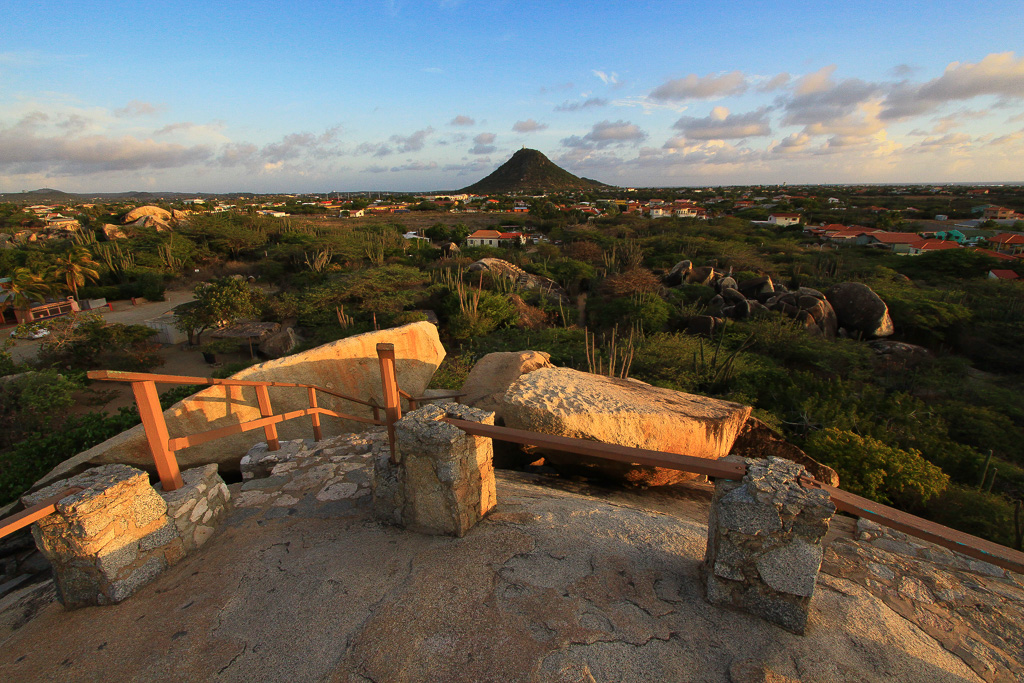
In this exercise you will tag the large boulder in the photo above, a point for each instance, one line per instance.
(280, 343)
(758, 440)
(348, 366)
(163, 215)
(860, 310)
(566, 402)
(493, 374)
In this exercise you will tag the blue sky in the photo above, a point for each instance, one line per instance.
(402, 95)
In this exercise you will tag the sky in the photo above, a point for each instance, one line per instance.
(432, 95)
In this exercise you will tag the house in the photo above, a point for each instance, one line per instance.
(520, 207)
(925, 246)
(897, 242)
(994, 254)
(1000, 274)
(56, 220)
(993, 213)
(953, 235)
(484, 238)
(352, 213)
(660, 212)
(1008, 243)
(784, 219)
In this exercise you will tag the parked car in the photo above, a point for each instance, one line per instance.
(21, 332)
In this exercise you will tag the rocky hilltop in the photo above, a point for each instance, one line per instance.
(530, 171)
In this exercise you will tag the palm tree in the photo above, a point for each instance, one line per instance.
(24, 289)
(74, 268)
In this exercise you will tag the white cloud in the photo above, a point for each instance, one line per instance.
(721, 125)
(528, 126)
(999, 74)
(138, 108)
(609, 78)
(570, 105)
(461, 120)
(607, 133)
(708, 87)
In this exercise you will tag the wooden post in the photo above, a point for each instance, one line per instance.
(153, 422)
(263, 397)
(315, 417)
(389, 382)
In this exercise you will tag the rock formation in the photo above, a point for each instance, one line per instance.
(142, 211)
(566, 402)
(493, 374)
(522, 279)
(860, 310)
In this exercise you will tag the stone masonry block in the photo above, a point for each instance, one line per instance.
(443, 482)
(764, 542)
(120, 532)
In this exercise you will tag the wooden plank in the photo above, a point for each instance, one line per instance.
(315, 417)
(392, 397)
(711, 468)
(36, 512)
(212, 435)
(270, 430)
(972, 546)
(118, 376)
(156, 434)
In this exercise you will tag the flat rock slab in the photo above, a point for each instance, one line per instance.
(552, 586)
(566, 402)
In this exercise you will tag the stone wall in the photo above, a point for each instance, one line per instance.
(119, 533)
(443, 482)
(348, 366)
(764, 542)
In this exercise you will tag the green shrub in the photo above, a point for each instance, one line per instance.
(873, 469)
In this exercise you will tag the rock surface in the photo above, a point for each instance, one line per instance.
(493, 374)
(758, 440)
(135, 214)
(348, 366)
(860, 310)
(557, 584)
(576, 404)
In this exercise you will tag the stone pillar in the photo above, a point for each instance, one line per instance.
(117, 535)
(444, 480)
(764, 542)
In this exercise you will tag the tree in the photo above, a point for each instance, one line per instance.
(74, 267)
(217, 304)
(24, 289)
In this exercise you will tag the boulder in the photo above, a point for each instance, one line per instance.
(742, 309)
(566, 402)
(113, 232)
(280, 343)
(700, 276)
(492, 375)
(757, 440)
(347, 366)
(140, 212)
(716, 304)
(754, 287)
(701, 324)
(732, 295)
(727, 282)
(860, 310)
(678, 272)
(808, 291)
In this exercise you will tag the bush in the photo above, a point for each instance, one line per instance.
(870, 468)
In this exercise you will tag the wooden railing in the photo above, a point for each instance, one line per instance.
(163, 448)
(972, 546)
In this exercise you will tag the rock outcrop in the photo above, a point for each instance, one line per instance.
(493, 374)
(348, 366)
(566, 402)
(522, 279)
(143, 211)
(758, 440)
(860, 310)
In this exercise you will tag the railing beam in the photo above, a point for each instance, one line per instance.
(36, 512)
(270, 430)
(153, 422)
(315, 417)
(389, 383)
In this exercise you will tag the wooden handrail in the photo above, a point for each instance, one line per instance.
(969, 545)
(118, 376)
(36, 512)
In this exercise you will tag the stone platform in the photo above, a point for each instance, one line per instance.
(561, 582)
